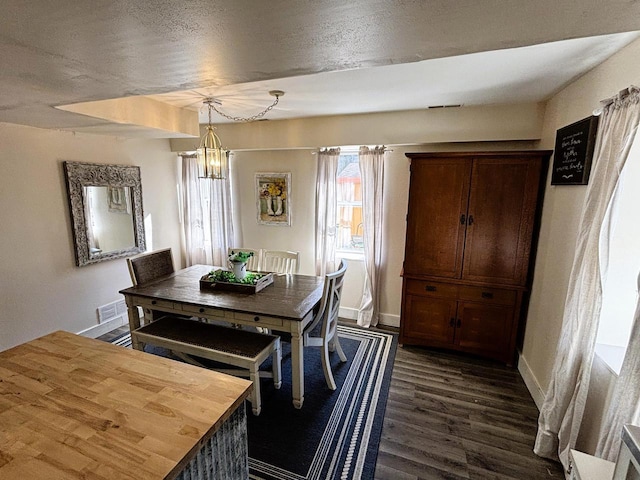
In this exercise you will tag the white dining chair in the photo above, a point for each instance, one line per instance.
(326, 336)
(254, 262)
(279, 261)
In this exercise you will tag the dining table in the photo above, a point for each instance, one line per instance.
(287, 305)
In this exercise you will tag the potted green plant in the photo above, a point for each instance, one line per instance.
(238, 261)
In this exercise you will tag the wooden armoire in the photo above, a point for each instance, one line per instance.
(472, 224)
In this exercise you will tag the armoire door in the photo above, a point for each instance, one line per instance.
(502, 207)
(484, 329)
(438, 198)
(429, 319)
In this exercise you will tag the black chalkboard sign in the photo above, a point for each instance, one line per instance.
(573, 153)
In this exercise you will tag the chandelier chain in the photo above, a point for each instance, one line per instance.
(244, 119)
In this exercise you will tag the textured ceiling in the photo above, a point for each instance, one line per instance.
(517, 75)
(65, 52)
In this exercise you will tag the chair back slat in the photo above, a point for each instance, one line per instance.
(150, 266)
(279, 261)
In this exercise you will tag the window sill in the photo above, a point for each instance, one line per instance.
(348, 255)
(612, 356)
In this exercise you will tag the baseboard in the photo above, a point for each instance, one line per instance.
(530, 381)
(350, 313)
(105, 327)
(390, 320)
(387, 319)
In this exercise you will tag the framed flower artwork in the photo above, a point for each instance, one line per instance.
(273, 198)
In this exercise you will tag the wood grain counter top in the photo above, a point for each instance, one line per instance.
(73, 407)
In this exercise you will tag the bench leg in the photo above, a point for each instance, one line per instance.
(254, 376)
(277, 365)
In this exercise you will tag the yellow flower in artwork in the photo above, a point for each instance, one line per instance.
(277, 189)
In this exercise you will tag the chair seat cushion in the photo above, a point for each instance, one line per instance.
(216, 337)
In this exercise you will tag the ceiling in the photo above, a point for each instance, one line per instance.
(330, 57)
(518, 75)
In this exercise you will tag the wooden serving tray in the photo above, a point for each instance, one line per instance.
(264, 281)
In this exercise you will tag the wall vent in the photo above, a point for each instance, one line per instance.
(111, 311)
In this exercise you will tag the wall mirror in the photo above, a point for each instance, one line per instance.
(105, 202)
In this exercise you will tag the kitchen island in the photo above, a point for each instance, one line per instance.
(73, 407)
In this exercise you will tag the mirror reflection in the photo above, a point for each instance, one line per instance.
(109, 219)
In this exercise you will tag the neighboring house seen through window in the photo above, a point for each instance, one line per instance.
(349, 213)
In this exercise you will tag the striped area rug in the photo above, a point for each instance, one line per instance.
(123, 341)
(336, 433)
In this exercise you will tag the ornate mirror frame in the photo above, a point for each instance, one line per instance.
(79, 175)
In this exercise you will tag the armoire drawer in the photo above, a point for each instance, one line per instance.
(431, 289)
(487, 294)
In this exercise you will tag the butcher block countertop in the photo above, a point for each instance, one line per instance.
(73, 407)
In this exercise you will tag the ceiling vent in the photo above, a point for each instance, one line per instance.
(444, 106)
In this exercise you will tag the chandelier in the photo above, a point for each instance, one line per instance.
(212, 158)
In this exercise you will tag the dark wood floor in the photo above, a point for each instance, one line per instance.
(455, 417)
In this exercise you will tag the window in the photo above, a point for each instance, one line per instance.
(349, 192)
(620, 289)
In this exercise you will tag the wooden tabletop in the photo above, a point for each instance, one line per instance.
(290, 296)
(73, 407)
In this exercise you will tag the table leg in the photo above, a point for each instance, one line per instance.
(297, 368)
(134, 322)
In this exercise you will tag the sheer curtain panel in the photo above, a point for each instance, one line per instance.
(207, 216)
(372, 175)
(624, 405)
(326, 210)
(563, 408)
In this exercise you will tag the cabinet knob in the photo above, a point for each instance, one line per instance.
(430, 288)
(463, 219)
(459, 323)
(256, 319)
(202, 310)
(470, 221)
(153, 302)
(452, 322)
(488, 295)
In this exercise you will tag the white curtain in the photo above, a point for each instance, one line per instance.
(207, 216)
(563, 408)
(372, 176)
(624, 406)
(326, 210)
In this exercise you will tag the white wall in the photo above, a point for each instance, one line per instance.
(489, 123)
(299, 236)
(561, 213)
(41, 289)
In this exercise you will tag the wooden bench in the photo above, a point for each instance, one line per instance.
(232, 346)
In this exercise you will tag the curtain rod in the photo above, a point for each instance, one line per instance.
(608, 101)
(354, 150)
